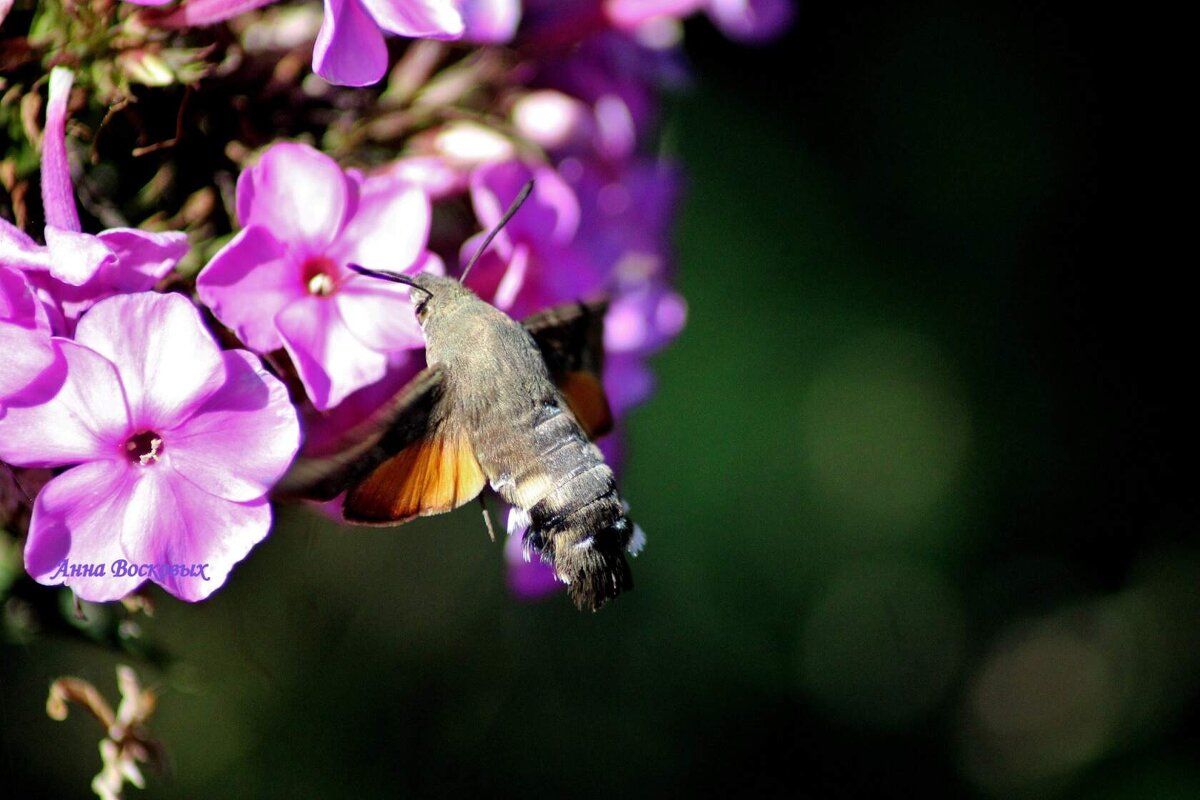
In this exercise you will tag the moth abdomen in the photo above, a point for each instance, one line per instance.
(580, 528)
(593, 563)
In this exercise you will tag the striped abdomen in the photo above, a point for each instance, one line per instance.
(577, 521)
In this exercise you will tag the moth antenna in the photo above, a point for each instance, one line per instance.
(512, 209)
(394, 277)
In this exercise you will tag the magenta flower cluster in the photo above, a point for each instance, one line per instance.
(170, 416)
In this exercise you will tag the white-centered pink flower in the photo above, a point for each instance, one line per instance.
(283, 280)
(174, 445)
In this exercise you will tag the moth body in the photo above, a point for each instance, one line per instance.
(529, 445)
(511, 404)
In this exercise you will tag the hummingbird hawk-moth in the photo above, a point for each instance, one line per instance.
(514, 405)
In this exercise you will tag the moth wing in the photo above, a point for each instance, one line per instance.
(362, 448)
(571, 338)
(432, 475)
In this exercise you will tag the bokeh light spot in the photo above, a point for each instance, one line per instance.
(1044, 703)
(885, 431)
(883, 645)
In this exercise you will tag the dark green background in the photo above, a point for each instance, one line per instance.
(915, 478)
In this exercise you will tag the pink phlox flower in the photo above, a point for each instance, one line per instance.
(282, 281)
(173, 446)
(73, 268)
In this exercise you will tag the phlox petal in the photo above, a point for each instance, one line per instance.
(239, 443)
(380, 314)
(528, 580)
(389, 228)
(58, 195)
(751, 20)
(172, 521)
(170, 369)
(551, 212)
(18, 250)
(434, 19)
(248, 282)
(630, 13)
(75, 411)
(349, 49)
(19, 303)
(198, 13)
(490, 21)
(643, 320)
(514, 278)
(27, 354)
(347, 424)
(75, 258)
(627, 381)
(491, 267)
(331, 361)
(143, 258)
(298, 193)
(79, 516)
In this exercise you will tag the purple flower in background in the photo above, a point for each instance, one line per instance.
(350, 49)
(490, 21)
(745, 20)
(175, 445)
(599, 230)
(531, 264)
(620, 79)
(564, 21)
(77, 269)
(626, 215)
(283, 280)
(24, 335)
(638, 324)
(527, 578)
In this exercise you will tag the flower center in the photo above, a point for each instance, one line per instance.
(318, 275)
(144, 448)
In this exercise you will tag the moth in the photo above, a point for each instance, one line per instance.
(514, 405)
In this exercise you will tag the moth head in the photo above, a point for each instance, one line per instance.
(431, 294)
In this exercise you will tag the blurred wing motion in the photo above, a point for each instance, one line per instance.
(434, 474)
(363, 448)
(571, 338)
